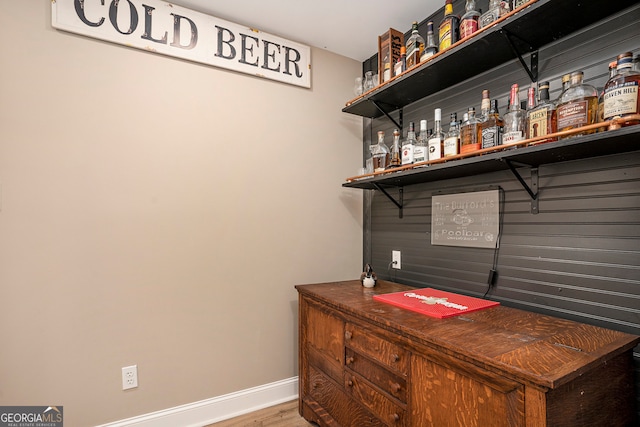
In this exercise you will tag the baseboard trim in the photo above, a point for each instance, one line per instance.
(217, 409)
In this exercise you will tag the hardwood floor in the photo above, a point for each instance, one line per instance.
(283, 415)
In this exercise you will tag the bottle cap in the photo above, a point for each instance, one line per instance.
(437, 114)
(543, 86)
(423, 125)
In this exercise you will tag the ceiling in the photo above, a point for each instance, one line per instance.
(346, 27)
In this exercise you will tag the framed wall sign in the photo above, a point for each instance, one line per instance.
(161, 27)
(466, 219)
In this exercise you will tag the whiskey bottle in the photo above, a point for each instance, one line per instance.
(431, 48)
(491, 15)
(469, 21)
(469, 141)
(421, 149)
(612, 72)
(491, 128)
(514, 120)
(452, 140)
(436, 140)
(396, 154)
(578, 105)
(449, 27)
(621, 98)
(541, 119)
(485, 106)
(414, 46)
(409, 145)
(380, 154)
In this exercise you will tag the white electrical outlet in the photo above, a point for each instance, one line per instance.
(395, 259)
(129, 377)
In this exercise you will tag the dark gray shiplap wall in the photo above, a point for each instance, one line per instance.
(579, 258)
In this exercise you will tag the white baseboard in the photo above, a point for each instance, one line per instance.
(217, 409)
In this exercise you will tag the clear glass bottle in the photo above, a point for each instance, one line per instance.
(386, 73)
(469, 21)
(491, 15)
(491, 128)
(409, 144)
(469, 141)
(621, 98)
(577, 106)
(541, 119)
(414, 46)
(421, 149)
(515, 120)
(396, 150)
(431, 48)
(357, 88)
(485, 106)
(436, 140)
(368, 81)
(449, 27)
(380, 154)
(452, 140)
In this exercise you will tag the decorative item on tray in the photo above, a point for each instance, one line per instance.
(368, 278)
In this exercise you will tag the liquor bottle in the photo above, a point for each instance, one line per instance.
(469, 141)
(436, 140)
(449, 27)
(421, 149)
(401, 65)
(578, 105)
(505, 7)
(414, 46)
(541, 119)
(409, 145)
(452, 140)
(469, 21)
(491, 128)
(491, 15)
(431, 48)
(613, 70)
(621, 98)
(485, 106)
(396, 153)
(514, 120)
(386, 73)
(380, 154)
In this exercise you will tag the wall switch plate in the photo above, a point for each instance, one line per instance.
(129, 377)
(395, 259)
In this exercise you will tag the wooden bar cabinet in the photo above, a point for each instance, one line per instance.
(366, 363)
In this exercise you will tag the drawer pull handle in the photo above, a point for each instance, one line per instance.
(395, 417)
(395, 357)
(350, 383)
(350, 360)
(348, 335)
(396, 387)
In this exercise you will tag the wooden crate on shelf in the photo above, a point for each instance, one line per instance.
(389, 45)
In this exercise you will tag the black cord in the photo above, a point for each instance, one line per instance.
(493, 273)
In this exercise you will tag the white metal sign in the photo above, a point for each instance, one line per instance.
(164, 28)
(466, 219)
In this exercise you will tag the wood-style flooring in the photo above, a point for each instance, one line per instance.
(283, 415)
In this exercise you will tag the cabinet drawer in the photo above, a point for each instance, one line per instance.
(391, 413)
(341, 408)
(376, 347)
(391, 383)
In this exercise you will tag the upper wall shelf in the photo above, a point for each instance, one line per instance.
(525, 31)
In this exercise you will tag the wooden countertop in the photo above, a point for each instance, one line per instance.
(544, 350)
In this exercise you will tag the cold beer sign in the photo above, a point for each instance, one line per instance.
(162, 27)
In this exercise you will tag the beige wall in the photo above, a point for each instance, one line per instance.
(159, 212)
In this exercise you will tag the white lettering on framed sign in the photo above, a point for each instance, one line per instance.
(164, 28)
(466, 219)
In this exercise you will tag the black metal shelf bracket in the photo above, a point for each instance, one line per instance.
(532, 69)
(533, 189)
(398, 203)
(383, 111)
